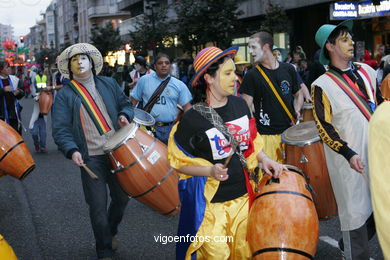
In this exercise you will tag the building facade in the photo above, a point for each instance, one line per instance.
(6, 32)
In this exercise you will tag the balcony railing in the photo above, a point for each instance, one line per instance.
(125, 4)
(106, 11)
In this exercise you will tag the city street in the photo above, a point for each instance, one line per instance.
(45, 216)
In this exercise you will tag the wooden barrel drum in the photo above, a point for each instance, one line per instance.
(142, 169)
(305, 150)
(15, 158)
(45, 102)
(283, 222)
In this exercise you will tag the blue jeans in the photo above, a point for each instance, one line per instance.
(39, 133)
(104, 223)
(162, 132)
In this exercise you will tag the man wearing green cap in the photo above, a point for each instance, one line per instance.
(344, 99)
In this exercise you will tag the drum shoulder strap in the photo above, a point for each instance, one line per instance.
(275, 92)
(156, 94)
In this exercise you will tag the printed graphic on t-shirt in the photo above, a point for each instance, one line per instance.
(285, 86)
(264, 118)
(220, 146)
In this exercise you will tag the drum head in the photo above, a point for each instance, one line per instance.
(120, 136)
(302, 134)
(307, 106)
(143, 118)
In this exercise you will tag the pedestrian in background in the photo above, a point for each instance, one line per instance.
(160, 94)
(38, 120)
(11, 90)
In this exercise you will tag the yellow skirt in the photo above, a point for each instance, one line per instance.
(273, 147)
(6, 251)
(224, 230)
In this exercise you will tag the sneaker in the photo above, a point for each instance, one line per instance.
(37, 148)
(43, 150)
(114, 243)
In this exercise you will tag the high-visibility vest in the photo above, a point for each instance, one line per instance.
(41, 81)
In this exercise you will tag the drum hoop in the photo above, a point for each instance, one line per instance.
(10, 149)
(301, 143)
(139, 159)
(130, 135)
(142, 122)
(173, 210)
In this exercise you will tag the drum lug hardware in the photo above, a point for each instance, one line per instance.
(117, 163)
(284, 155)
(143, 147)
(254, 176)
(303, 159)
(272, 180)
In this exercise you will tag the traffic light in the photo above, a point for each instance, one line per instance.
(21, 38)
(46, 58)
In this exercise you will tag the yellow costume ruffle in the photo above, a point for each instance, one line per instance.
(6, 251)
(273, 147)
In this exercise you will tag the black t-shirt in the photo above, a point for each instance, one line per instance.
(273, 119)
(199, 138)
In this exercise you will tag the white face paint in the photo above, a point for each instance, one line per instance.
(277, 55)
(256, 50)
(80, 65)
(137, 67)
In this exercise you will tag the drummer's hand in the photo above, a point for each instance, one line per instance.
(219, 172)
(7, 88)
(307, 98)
(122, 121)
(48, 89)
(16, 92)
(272, 168)
(77, 159)
(356, 163)
(298, 115)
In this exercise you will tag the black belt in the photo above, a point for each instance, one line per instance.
(160, 124)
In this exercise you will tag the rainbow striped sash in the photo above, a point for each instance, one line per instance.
(91, 107)
(351, 93)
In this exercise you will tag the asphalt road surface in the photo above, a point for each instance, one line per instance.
(45, 215)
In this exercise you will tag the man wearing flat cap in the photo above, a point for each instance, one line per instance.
(344, 99)
(87, 112)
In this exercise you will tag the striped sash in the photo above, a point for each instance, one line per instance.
(91, 107)
(361, 104)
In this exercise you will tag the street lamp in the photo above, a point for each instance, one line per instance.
(150, 5)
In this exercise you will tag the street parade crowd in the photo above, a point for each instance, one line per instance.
(241, 150)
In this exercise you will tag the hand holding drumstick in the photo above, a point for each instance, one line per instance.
(78, 160)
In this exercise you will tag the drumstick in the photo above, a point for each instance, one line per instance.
(90, 173)
(230, 156)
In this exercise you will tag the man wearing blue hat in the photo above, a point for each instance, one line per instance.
(344, 98)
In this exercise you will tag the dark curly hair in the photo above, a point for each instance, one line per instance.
(199, 91)
(90, 60)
